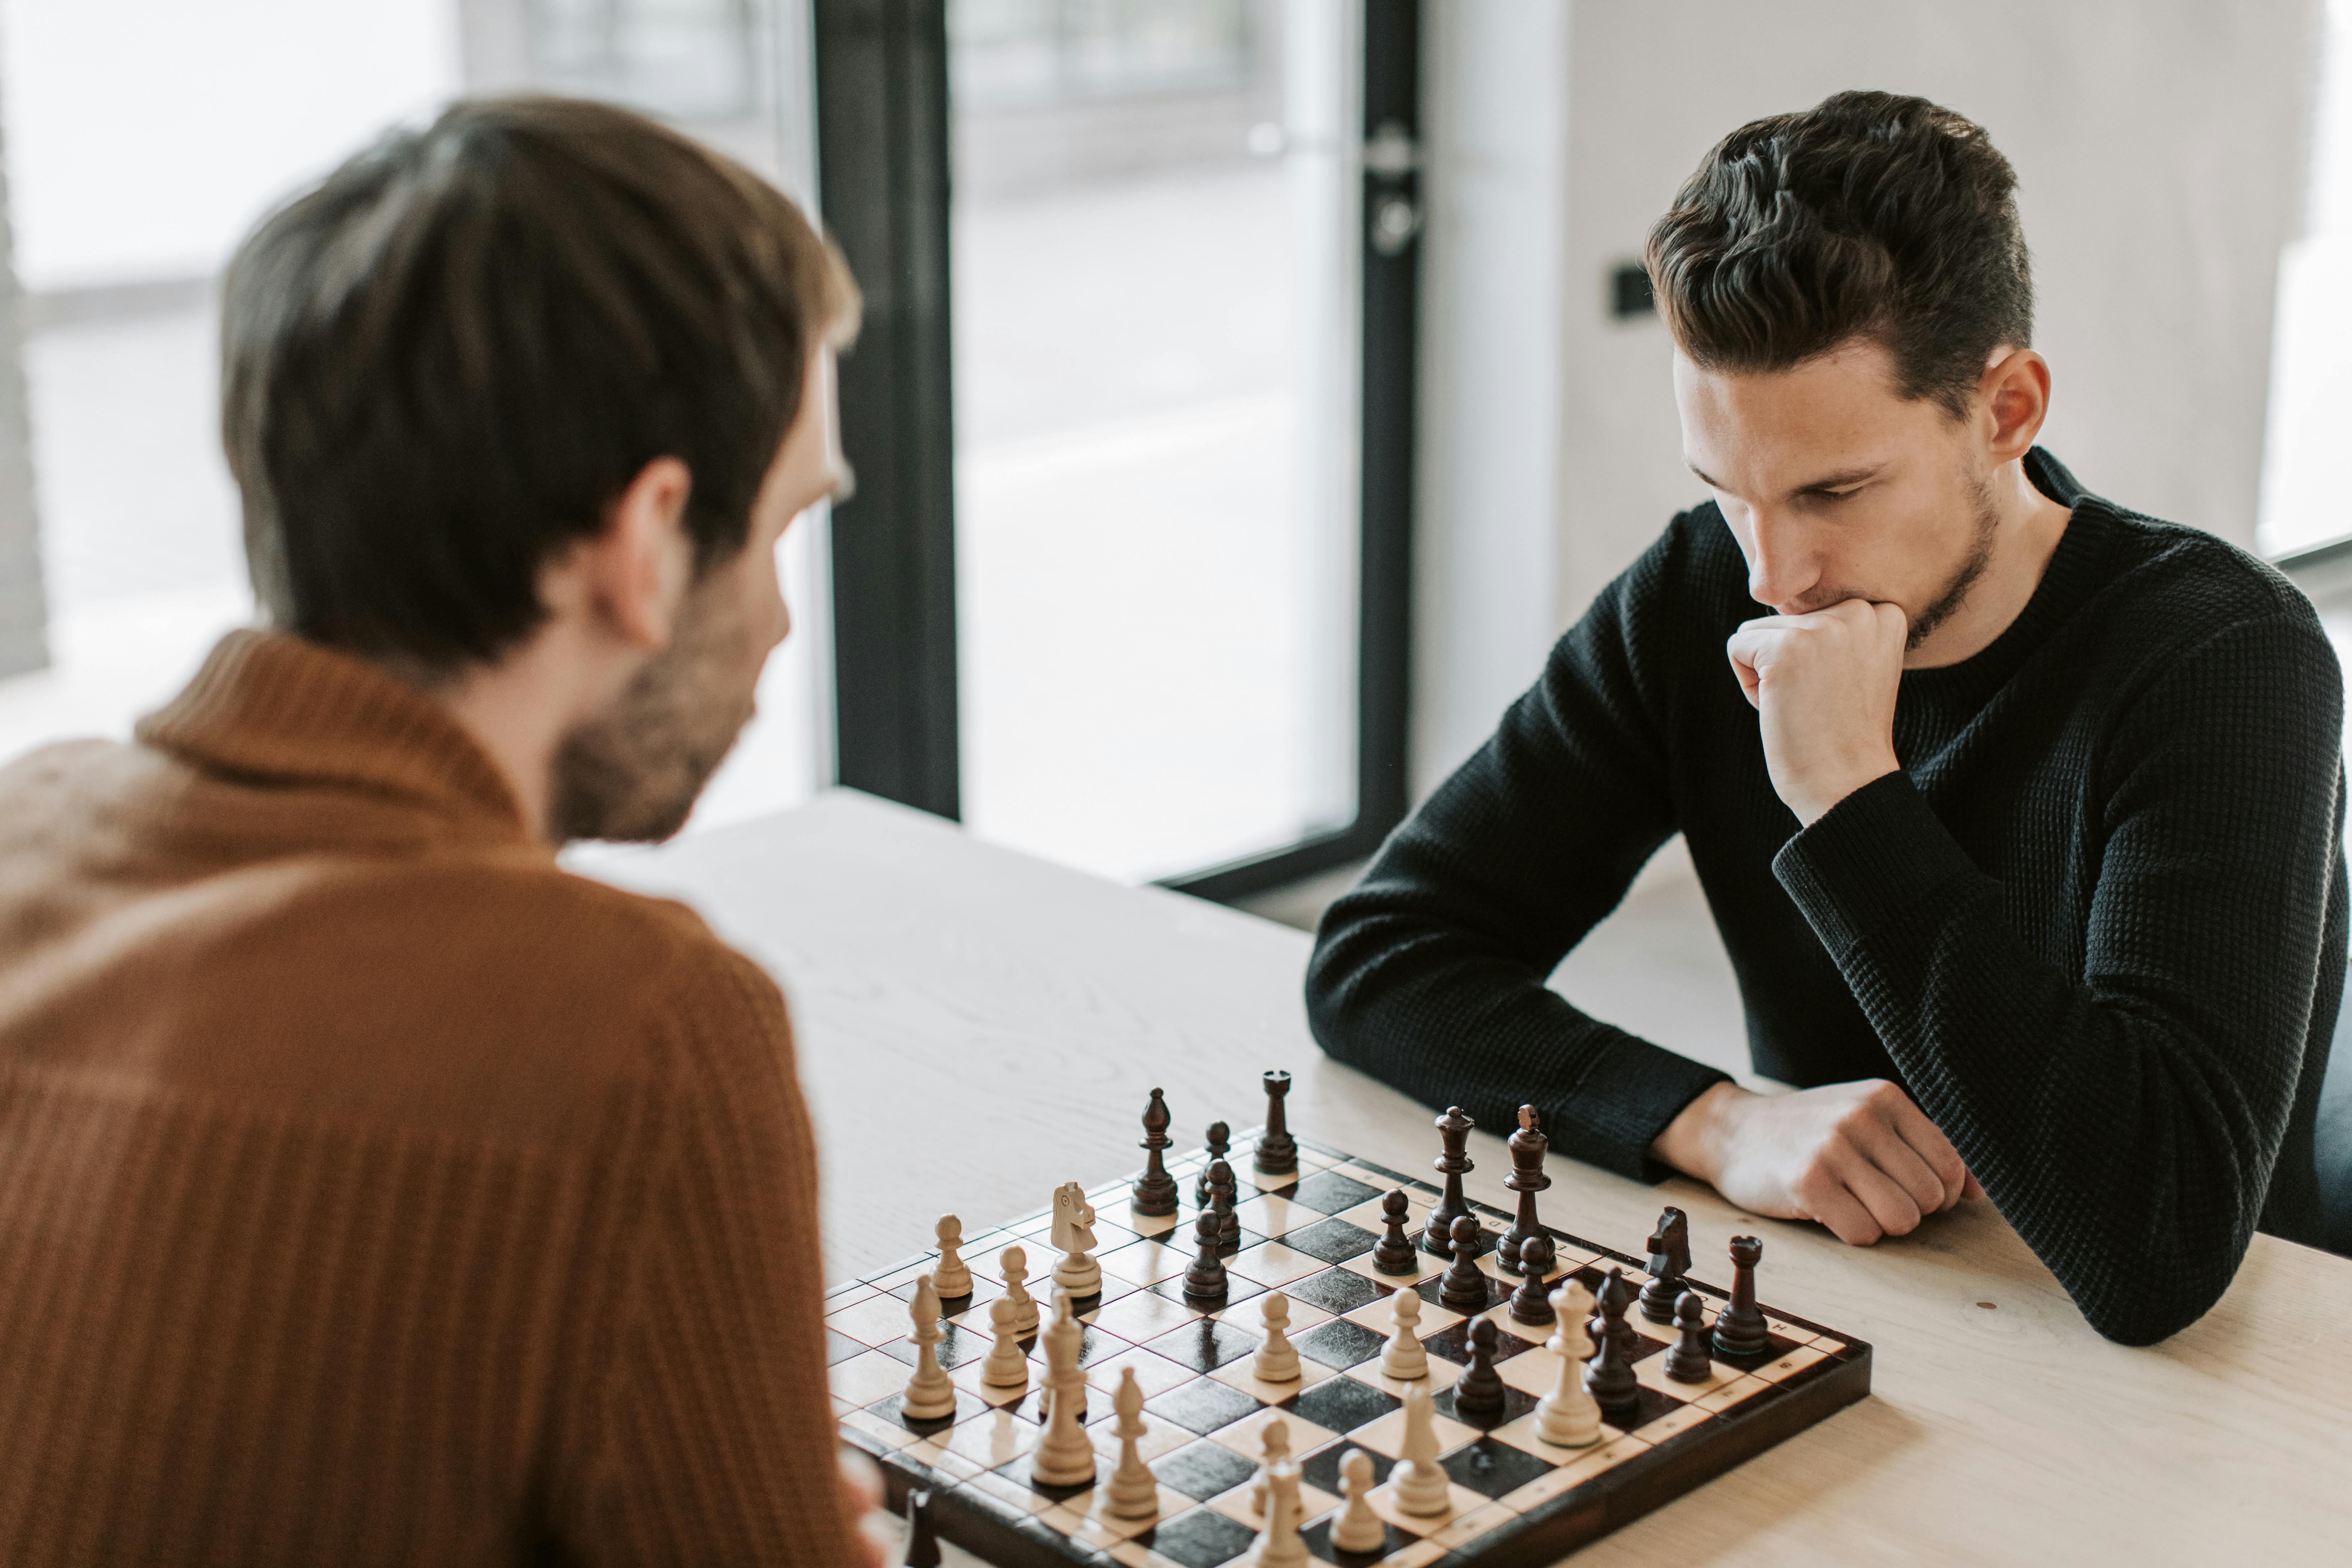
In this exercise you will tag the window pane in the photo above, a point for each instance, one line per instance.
(1155, 328)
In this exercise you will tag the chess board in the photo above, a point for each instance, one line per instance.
(1309, 1234)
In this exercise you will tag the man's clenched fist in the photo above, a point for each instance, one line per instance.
(1823, 686)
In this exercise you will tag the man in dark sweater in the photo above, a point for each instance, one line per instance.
(2021, 814)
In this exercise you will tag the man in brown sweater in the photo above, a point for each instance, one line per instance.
(371, 1190)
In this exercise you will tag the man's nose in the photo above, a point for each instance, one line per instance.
(1782, 567)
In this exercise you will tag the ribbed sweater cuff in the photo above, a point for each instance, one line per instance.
(1625, 1100)
(1868, 858)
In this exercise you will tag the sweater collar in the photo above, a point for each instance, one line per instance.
(274, 709)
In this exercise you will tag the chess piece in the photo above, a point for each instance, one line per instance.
(1134, 1489)
(1280, 1545)
(1219, 1140)
(1006, 1366)
(1527, 1179)
(1220, 1203)
(1480, 1390)
(951, 1279)
(1405, 1357)
(1739, 1331)
(1419, 1485)
(1566, 1417)
(1155, 1190)
(1277, 1152)
(1064, 1456)
(1464, 1287)
(1687, 1360)
(1273, 1449)
(1205, 1280)
(929, 1395)
(1015, 1264)
(1453, 1133)
(1670, 1259)
(1277, 1359)
(1530, 1303)
(922, 1535)
(1610, 1379)
(1357, 1529)
(1074, 1233)
(1394, 1253)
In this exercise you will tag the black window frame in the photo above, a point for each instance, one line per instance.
(882, 176)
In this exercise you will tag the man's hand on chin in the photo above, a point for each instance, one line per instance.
(1823, 686)
(1860, 1158)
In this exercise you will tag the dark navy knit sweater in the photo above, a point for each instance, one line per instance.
(2095, 925)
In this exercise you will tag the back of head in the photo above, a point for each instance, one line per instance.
(442, 364)
(1869, 215)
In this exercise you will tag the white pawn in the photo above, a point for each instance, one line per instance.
(930, 1395)
(1420, 1487)
(1566, 1417)
(1280, 1545)
(1405, 1357)
(953, 1278)
(1005, 1367)
(1134, 1491)
(1274, 1448)
(1358, 1528)
(1277, 1359)
(1025, 1306)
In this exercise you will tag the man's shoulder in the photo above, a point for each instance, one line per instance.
(2191, 580)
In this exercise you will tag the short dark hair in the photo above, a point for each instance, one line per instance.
(442, 364)
(1869, 216)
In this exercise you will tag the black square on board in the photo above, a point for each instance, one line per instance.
(1651, 1406)
(1031, 1406)
(1341, 1404)
(1204, 1470)
(1237, 1289)
(1433, 1290)
(1328, 1192)
(1332, 1240)
(1336, 1291)
(1452, 1343)
(1203, 1538)
(957, 1345)
(1491, 1469)
(1516, 1404)
(1317, 1536)
(1203, 1406)
(1204, 1345)
(839, 1346)
(1339, 1343)
(1322, 1468)
(967, 1406)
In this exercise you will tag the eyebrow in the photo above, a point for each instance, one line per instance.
(1838, 480)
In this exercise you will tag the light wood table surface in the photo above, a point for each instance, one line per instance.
(976, 1026)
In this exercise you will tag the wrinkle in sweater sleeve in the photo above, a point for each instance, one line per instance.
(2126, 1119)
(717, 1437)
(1431, 974)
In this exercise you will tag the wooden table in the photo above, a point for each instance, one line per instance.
(976, 1026)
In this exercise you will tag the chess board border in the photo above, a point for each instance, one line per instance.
(1008, 1537)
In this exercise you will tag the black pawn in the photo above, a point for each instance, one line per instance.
(1480, 1390)
(1609, 1376)
(1531, 1302)
(1205, 1280)
(1220, 1203)
(1465, 1286)
(1454, 1136)
(1394, 1253)
(1739, 1333)
(1277, 1152)
(1687, 1360)
(1670, 1260)
(1155, 1190)
(922, 1536)
(1220, 1139)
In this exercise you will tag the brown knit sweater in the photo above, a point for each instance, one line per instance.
(371, 1190)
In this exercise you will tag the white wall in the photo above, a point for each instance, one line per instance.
(2159, 147)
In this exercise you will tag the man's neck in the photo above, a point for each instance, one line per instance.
(2025, 536)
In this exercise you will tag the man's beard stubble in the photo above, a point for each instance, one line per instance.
(633, 773)
(1966, 575)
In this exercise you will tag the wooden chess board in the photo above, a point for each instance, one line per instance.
(1309, 1234)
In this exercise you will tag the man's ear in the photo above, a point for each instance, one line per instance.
(2015, 400)
(633, 575)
